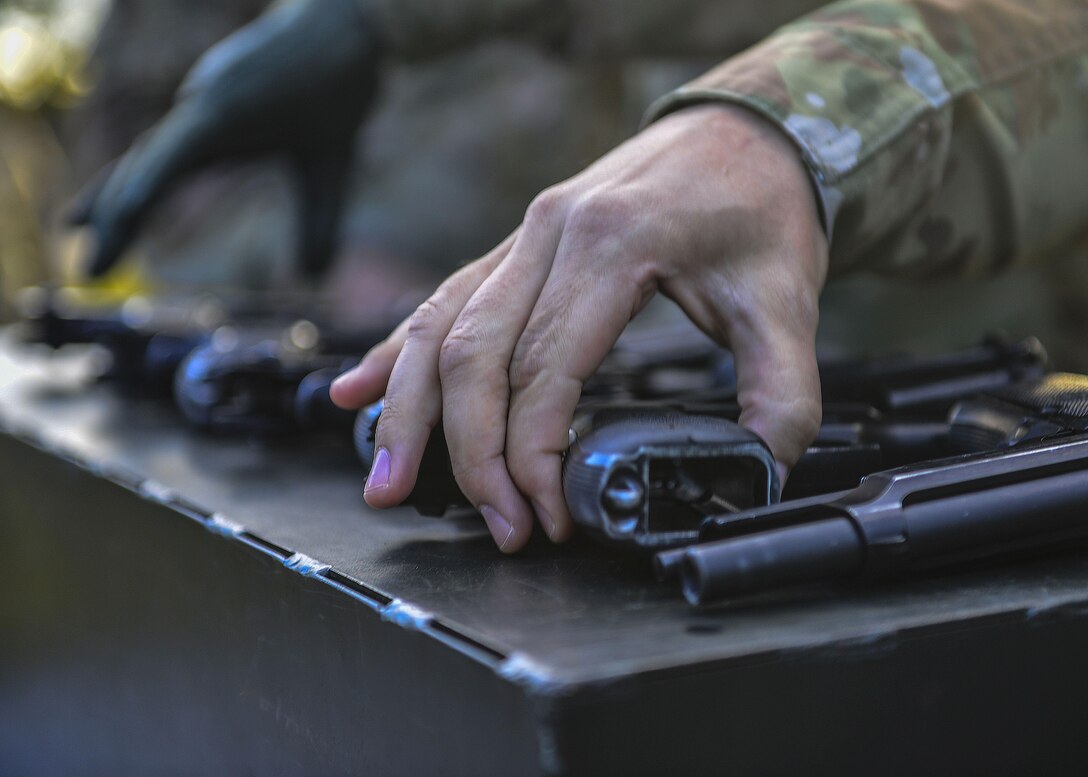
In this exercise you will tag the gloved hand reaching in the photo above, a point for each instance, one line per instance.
(295, 83)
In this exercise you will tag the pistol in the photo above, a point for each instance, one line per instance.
(667, 455)
(145, 340)
(269, 383)
(1024, 486)
(904, 384)
(646, 475)
(646, 481)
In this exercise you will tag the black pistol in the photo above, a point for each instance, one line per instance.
(666, 448)
(1027, 487)
(145, 339)
(878, 413)
(268, 383)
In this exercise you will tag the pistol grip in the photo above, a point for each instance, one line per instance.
(646, 477)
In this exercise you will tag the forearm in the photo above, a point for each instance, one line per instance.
(942, 136)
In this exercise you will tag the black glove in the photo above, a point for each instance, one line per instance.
(296, 82)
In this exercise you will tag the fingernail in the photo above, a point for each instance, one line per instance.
(546, 519)
(379, 472)
(501, 529)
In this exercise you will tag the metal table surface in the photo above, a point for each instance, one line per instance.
(606, 657)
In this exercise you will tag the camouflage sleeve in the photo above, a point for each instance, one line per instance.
(944, 137)
(586, 29)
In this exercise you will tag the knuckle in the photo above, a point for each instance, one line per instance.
(460, 350)
(427, 319)
(600, 215)
(546, 206)
(528, 364)
(390, 419)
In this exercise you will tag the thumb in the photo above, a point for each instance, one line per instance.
(778, 387)
(766, 311)
(321, 179)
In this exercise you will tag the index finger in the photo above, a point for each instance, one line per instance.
(579, 317)
(474, 366)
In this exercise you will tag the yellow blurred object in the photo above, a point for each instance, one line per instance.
(114, 288)
(44, 48)
(29, 171)
(70, 250)
(36, 67)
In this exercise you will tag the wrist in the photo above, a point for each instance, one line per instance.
(766, 168)
(756, 139)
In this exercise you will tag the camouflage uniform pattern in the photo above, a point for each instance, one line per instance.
(938, 132)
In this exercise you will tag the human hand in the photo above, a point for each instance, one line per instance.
(295, 83)
(710, 206)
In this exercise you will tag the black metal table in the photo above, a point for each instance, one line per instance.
(174, 603)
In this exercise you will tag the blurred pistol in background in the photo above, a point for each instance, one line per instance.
(144, 341)
(243, 363)
(270, 383)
